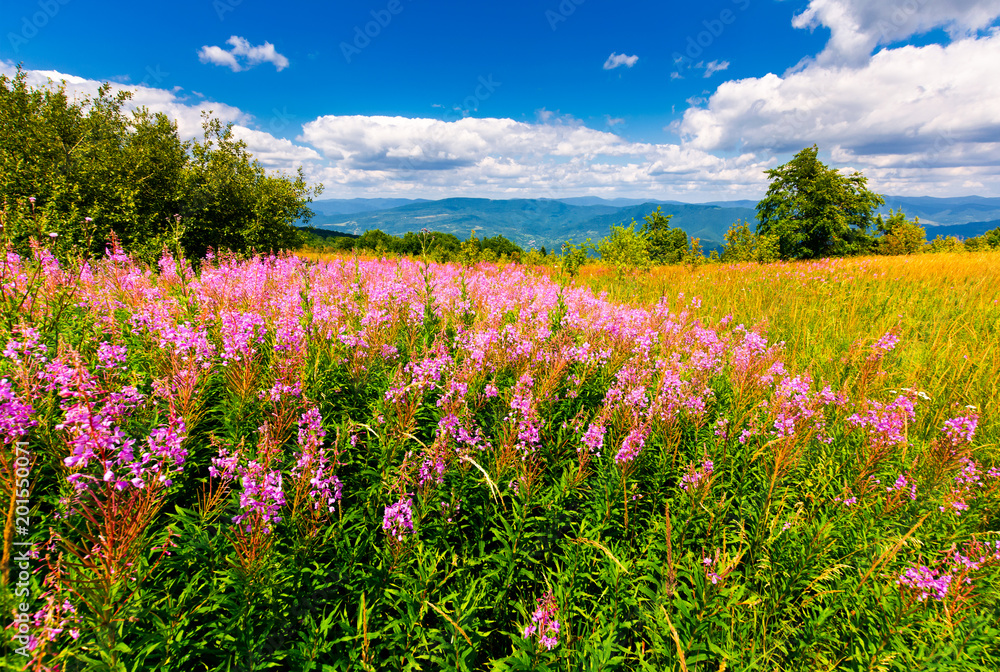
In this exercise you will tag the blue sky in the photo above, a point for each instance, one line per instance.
(427, 98)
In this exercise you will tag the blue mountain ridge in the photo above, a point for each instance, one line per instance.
(550, 222)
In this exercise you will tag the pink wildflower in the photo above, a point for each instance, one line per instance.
(544, 622)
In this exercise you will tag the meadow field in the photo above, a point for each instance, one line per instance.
(944, 308)
(347, 463)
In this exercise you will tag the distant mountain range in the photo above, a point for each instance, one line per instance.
(963, 231)
(550, 222)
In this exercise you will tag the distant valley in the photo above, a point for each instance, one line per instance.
(550, 222)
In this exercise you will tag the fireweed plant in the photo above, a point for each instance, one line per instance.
(269, 463)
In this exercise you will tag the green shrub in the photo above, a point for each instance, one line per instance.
(626, 249)
(900, 236)
(86, 169)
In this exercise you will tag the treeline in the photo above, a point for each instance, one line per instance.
(76, 173)
(635, 247)
(894, 235)
(811, 210)
(434, 244)
(629, 247)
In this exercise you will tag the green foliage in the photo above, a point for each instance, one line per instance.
(768, 248)
(626, 248)
(900, 236)
(945, 244)
(232, 203)
(93, 169)
(441, 247)
(325, 239)
(992, 238)
(654, 243)
(694, 256)
(666, 245)
(574, 256)
(815, 211)
(988, 241)
(470, 250)
(83, 160)
(743, 245)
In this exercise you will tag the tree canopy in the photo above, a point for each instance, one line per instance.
(815, 211)
(80, 170)
(666, 245)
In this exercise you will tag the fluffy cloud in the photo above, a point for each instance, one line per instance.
(219, 56)
(858, 26)
(553, 157)
(431, 144)
(911, 110)
(250, 55)
(275, 153)
(504, 157)
(617, 60)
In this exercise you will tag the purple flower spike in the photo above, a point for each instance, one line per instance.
(544, 622)
(398, 519)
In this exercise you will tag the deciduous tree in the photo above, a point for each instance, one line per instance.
(816, 211)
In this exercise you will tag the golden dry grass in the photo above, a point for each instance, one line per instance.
(944, 307)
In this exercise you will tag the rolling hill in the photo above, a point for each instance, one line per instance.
(546, 222)
(551, 222)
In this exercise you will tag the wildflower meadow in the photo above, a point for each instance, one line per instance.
(270, 462)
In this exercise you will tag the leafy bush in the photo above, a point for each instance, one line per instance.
(573, 256)
(626, 249)
(84, 170)
(666, 245)
(945, 244)
(900, 236)
(744, 245)
(988, 241)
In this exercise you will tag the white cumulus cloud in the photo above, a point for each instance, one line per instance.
(553, 157)
(858, 26)
(618, 60)
(902, 101)
(242, 55)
